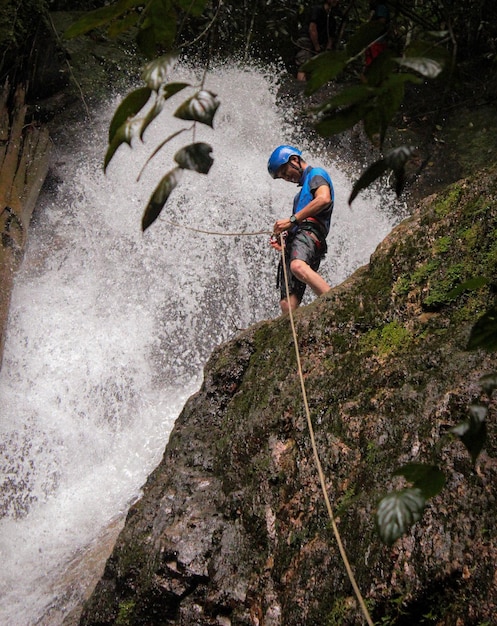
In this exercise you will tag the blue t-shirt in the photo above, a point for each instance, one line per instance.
(312, 178)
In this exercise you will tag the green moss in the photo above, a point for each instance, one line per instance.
(423, 272)
(125, 613)
(442, 245)
(448, 201)
(341, 343)
(340, 611)
(471, 236)
(343, 503)
(402, 285)
(490, 257)
(440, 290)
(391, 338)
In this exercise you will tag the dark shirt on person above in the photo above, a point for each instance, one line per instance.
(326, 24)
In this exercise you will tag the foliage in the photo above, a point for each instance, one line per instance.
(389, 339)
(484, 332)
(423, 41)
(378, 98)
(155, 20)
(17, 22)
(399, 510)
(126, 125)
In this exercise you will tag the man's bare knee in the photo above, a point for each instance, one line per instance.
(299, 269)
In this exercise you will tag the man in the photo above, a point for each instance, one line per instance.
(318, 34)
(307, 227)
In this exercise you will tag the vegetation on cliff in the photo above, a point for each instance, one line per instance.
(232, 524)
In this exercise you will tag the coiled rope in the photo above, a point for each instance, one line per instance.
(317, 460)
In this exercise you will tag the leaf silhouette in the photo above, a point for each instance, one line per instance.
(200, 108)
(159, 197)
(195, 157)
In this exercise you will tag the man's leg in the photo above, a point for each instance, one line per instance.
(292, 303)
(303, 272)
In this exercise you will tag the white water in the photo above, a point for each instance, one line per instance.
(110, 328)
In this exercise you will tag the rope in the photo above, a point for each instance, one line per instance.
(336, 532)
(221, 234)
(322, 481)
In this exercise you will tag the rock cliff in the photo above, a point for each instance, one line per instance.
(232, 527)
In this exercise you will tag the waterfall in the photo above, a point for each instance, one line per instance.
(110, 327)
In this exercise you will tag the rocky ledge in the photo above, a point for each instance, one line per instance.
(232, 527)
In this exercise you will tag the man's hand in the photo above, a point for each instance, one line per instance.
(275, 241)
(281, 225)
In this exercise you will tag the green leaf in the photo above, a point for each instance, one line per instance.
(159, 197)
(124, 24)
(381, 69)
(163, 20)
(429, 479)
(484, 332)
(323, 68)
(387, 100)
(151, 115)
(375, 123)
(469, 285)
(348, 97)
(489, 383)
(200, 108)
(429, 68)
(124, 134)
(129, 107)
(155, 73)
(419, 48)
(374, 171)
(173, 88)
(398, 511)
(195, 157)
(473, 432)
(100, 17)
(339, 121)
(398, 157)
(146, 41)
(395, 160)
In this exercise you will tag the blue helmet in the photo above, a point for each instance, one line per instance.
(279, 157)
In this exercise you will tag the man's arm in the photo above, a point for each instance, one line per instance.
(313, 34)
(322, 198)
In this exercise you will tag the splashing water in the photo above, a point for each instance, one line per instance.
(109, 328)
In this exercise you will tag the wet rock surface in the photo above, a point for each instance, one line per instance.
(232, 527)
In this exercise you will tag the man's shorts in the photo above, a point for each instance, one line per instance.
(305, 247)
(305, 51)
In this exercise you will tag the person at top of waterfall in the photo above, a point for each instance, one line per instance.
(379, 13)
(318, 34)
(303, 233)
